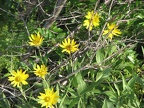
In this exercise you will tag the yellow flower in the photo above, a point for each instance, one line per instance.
(112, 30)
(18, 78)
(69, 46)
(35, 40)
(49, 98)
(40, 71)
(92, 19)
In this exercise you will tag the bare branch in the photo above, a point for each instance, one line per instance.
(59, 6)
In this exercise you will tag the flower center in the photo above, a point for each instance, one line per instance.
(69, 47)
(36, 41)
(18, 79)
(47, 99)
(41, 72)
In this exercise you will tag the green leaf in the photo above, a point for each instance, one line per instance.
(124, 83)
(129, 68)
(61, 34)
(112, 96)
(81, 83)
(55, 29)
(91, 86)
(50, 35)
(73, 102)
(111, 50)
(131, 58)
(132, 81)
(99, 56)
(142, 50)
(65, 100)
(116, 87)
(103, 74)
(107, 104)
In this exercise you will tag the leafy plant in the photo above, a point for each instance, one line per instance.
(71, 54)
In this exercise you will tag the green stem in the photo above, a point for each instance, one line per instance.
(71, 62)
(22, 92)
(45, 83)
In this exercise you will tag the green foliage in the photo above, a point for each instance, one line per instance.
(4, 103)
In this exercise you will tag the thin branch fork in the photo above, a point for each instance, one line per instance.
(59, 6)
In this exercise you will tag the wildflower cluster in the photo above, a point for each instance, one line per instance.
(19, 77)
(93, 19)
(49, 98)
